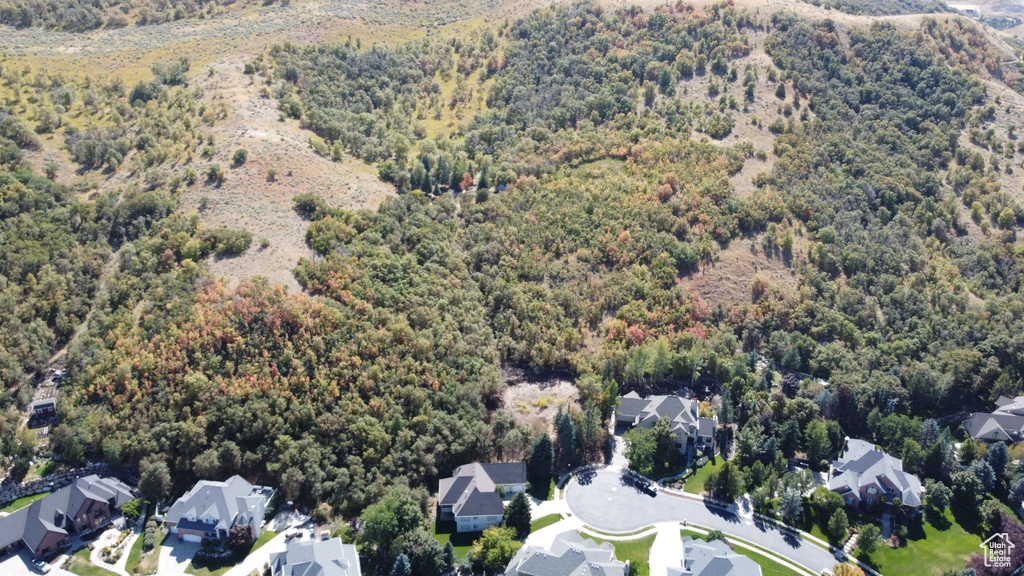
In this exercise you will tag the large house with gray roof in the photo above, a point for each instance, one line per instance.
(51, 522)
(570, 555)
(1004, 424)
(690, 428)
(210, 509)
(471, 497)
(713, 558)
(866, 475)
(316, 558)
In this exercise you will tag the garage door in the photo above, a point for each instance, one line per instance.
(192, 538)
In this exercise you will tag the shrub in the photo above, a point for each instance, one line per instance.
(229, 242)
(240, 156)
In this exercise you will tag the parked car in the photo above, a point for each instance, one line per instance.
(41, 566)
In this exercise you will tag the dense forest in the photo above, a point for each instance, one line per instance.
(882, 7)
(548, 232)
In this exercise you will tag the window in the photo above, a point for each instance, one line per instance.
(849, 500)
(872, 490)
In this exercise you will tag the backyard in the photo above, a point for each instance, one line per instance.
(22, 502)
(445, 532)
(928, 551)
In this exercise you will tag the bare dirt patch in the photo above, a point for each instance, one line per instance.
(534, 403)
(729, 278)
(250, 199)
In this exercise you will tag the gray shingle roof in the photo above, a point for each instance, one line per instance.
(471, 491)
(715, 558)
(316, 558)
(53, 513)
(570, 555)
(481, 504)
(224, 502)
(862, 465)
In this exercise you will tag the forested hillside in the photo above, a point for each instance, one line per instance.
(549, 231)
(882, 7)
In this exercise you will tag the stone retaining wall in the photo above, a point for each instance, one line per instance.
(11, 491)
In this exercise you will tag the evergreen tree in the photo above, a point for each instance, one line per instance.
(726, 413)
(449, 554)
(789, 437)
(485, 180)
(541, 461)
(837, 525)
(817, 442)
(401, 567)
(998, 458)
(565, 434)
(517, 516)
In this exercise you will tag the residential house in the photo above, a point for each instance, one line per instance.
(1005, 423)
(713, 558)
(42, 412)
(471, 496)
(210, 509)
(316, 558)
(865, 475)
(570, 555)
(51, 522)
(688, 426)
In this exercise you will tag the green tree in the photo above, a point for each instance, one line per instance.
(565, 435)
(401, 566)
(837, 525)
(241, 156)
(968, 491)
(791, 505)
(155, 480)
(387, 520)
(131, 510)
(819, 447)
(725, 484)
(868, 538)
(517, 515)
(641, 446)
(789, 437)
(496, 547)
(998, 456)
(542, 459)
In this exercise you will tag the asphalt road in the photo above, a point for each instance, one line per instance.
(606, 503)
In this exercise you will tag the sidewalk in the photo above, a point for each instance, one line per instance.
(667, 550)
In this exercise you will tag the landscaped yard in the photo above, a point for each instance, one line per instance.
(695, 483)
(22, 502)
(80, 564)
(930, 552)
(148, 563)
(768, 566)
(544, 522)
(462, 541)
(543, 492)
(216, 568)
(638, 552)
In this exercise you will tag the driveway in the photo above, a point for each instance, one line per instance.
(605, 503)
(20, 565)
(175, 556)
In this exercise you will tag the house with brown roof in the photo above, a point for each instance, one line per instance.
(1004, 424)
(50, 523)
(471, 497)
(688, 426)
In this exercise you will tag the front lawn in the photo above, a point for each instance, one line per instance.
(928, 552)
(219, 567)
(638, 552)
(544, 522)
(22, 502)
(695, 482)
(79, 564)
(462, 541)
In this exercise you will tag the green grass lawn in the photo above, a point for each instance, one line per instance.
(768, 566)
(928, 552)
(695, 483)
(462, 541)
(544, 522)
(265, 537)
(80, 564)
(638, 552)
(22, 502)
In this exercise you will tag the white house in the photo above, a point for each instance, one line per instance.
(210, 509)
(471, 498)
